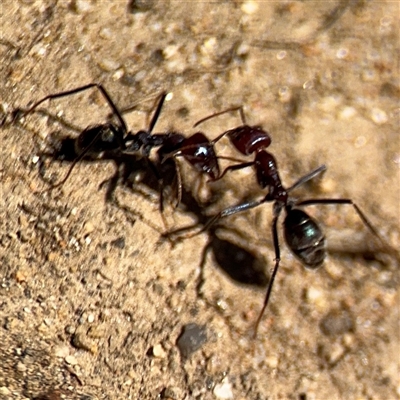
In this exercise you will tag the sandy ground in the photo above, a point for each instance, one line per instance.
(92, 303)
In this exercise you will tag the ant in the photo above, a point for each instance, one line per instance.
(114, 140)
(303, 235)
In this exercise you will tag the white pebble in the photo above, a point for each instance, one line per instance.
(71, 360)
(249, 7)
(158, 351)
(82, 6)
(342, 53)
(61, 351)
(21, 367)
(4, 391)
(379, 116)
(109, 65)
(347, 113)
(170, 51)
(281, 55)
(90, 318)
(223, 390)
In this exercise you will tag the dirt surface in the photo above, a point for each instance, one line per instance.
(92, 302)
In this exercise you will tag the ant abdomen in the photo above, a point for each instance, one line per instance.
(304, 238)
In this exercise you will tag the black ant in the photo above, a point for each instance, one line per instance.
(302, 233)
(113, 140)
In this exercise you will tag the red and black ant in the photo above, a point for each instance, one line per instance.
(303, 235)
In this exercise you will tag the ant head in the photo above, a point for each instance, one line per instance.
(199, 152)
(249, 139)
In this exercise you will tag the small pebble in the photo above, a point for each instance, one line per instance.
(81, 6)
(379, 116)
(20, 276)
(272, 361)
(347, 113)
(4, 391)
(170, 51)
(249, 7)
(193, 336)
(360, 141)
(158, 351)
(87, 229)
(336, 352)
(223, 390)
(109, 65)
(337, 322)
(61, 351)
(90, 318)
(317, 298)
(281, 55)
(81, 341)
(71, 360)
(342, 53)
(106, 33)
(21, 367)
(70, 329)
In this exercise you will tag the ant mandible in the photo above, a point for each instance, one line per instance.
(302, 233)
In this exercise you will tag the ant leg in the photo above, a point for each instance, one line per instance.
(233, 168)
(362, 216)
(160, 104)
(160, 182)
(238, 108)
(178, 184)
(222, 214)
(78, 90)
(218, 138)
(307, 177)
(274, 272)
(133, 106)
(77, 159)
(120, 172)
